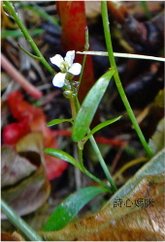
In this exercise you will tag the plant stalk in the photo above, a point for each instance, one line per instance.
(118, 83)
(75, 105)
(98, 153)
(19, 222)
(10, 8)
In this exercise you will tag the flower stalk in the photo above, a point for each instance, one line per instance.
(118, 83)
(10, 9)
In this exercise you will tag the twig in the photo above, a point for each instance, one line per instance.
(19, 78)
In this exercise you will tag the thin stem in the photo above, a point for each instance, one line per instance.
(118, 81)
(19, 223)
(128, 165)
(86, 47)
(102, 184)
(75, 105)
(99, 156)
(10, 8)
(102, 163)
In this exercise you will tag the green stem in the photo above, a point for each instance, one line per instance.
(75, 105)
(86, 47)
(99, 155)
(97, 180)
(119, 86)
(19, 223)
(102, 163)
(10, 8)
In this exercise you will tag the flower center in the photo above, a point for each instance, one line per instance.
(64, 66)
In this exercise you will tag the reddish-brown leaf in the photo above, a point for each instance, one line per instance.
(31, 119)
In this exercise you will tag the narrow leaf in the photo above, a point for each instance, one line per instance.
(62, 155)
(28, 53)
(70, 207)
(102, 125)
(58, 121)
(90, 105)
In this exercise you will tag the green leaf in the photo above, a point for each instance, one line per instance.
(63, 156)
(28, 53)
(70, 207)
(102, 125)
(59, 121)
(90, 105)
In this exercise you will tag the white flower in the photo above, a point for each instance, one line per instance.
(66, 65)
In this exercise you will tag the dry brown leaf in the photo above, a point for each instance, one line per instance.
(29, 193)
(14, 167)
(134, 219)
(123, 223)
(11, 236)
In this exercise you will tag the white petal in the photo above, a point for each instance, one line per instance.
(59, 79)
(75, 69)
(69, 58)
(57, 60)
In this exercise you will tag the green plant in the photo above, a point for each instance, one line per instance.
(81, 119)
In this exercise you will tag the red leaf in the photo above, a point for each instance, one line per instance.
(13, 132)
(31, 119)
(54, 167)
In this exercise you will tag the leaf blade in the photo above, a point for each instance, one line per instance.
(62, 155)
(58, 121)
(70, 207)
(102, 125)
(90, 105)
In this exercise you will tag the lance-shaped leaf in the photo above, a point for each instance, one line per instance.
(62, 155)
(102, 125)
(90, 105)
(59, 121)
(70, 207)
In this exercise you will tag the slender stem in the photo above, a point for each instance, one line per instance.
(86, 47)
(99, 156)
(75, 105)
(10, 8)
(102, 184)
(19, 223)
(128, 165)
(118, 81)
(102, 163)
